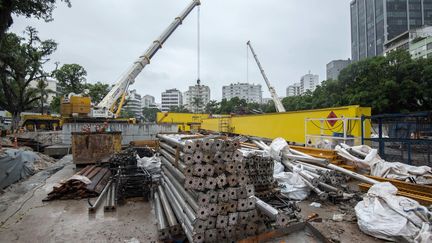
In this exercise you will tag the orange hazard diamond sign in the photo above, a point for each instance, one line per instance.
(332, 115)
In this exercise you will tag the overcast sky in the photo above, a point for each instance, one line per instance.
(290, 37)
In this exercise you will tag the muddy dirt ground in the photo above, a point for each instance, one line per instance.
(28, 219)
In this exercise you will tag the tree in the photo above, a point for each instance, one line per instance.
(391, 84)
(21, 62)
(179, 109)
(40, 9)
(212, 107)
(97, 91)
(197, 104)
(150, 114)
(43, 92)
(71, 78)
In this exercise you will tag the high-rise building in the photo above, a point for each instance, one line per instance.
(415, 41)
(245, 91)
(196, 98)
(171, 98)
(134, 103)
(148, 101)
(293, 90)
(334, 67)
(375, 22)
(309, 82)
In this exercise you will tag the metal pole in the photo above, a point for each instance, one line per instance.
(177, 173)
(167, 208)
(181, 189)
(162, 223)
(99, 199)
(184, 221)
(186, 208)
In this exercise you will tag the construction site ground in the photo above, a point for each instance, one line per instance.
(25, 218)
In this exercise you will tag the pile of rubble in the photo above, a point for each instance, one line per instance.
(208, 189)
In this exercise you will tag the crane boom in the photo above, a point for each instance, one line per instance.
(276, 100)
(109, 101)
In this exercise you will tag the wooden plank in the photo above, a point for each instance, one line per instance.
(102, 183)
(92, 167)
(97, 178)
(93, 173)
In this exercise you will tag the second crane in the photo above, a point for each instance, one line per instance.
(278, 104)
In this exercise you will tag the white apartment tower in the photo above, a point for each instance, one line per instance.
(308, 82)
(171, 98)
(134, 103)
(293, 90)
(246, 91)
(196, 98)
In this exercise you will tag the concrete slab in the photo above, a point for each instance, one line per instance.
(28, 219)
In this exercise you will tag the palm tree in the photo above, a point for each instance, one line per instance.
(43, 93)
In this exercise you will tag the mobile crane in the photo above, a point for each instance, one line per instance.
(276, 100)
(112, 103)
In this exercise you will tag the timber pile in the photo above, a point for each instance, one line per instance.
(89, 182)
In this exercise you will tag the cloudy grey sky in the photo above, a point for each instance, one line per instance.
(290, 37)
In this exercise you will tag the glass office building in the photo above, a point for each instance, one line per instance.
(375, 22)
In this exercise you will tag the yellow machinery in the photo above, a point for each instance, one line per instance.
(292, 126)
(75, 106)
(40, 122)
(186, 121)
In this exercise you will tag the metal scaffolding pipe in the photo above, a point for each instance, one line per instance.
(187, 196)
(177, 173)
(170, 140)
(102, 195)
(170, 149)
(160, 216)
(318, 161)
(170, 158)
(184, 205)
(266, 209)
(184, 221)
(353, 174)
(167, 208)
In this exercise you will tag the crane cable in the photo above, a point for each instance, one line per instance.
(198, 46)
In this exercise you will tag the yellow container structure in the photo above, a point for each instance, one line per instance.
(75, 105)
(185, 121)
(95, 147)
(291, 125)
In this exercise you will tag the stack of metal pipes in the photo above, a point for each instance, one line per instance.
(205, 185)
(325, 179)
(259, 167)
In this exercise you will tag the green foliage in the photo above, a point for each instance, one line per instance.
(391, 84)
(39, 9)
(238, 106)
(21, 62)
(55, 105)
(43, 92)
(179, 109)
(97, 91)
(71, 78)
(150, 114)
(125, 113)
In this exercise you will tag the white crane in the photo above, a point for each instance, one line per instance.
(276, 100)
(112, 103)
